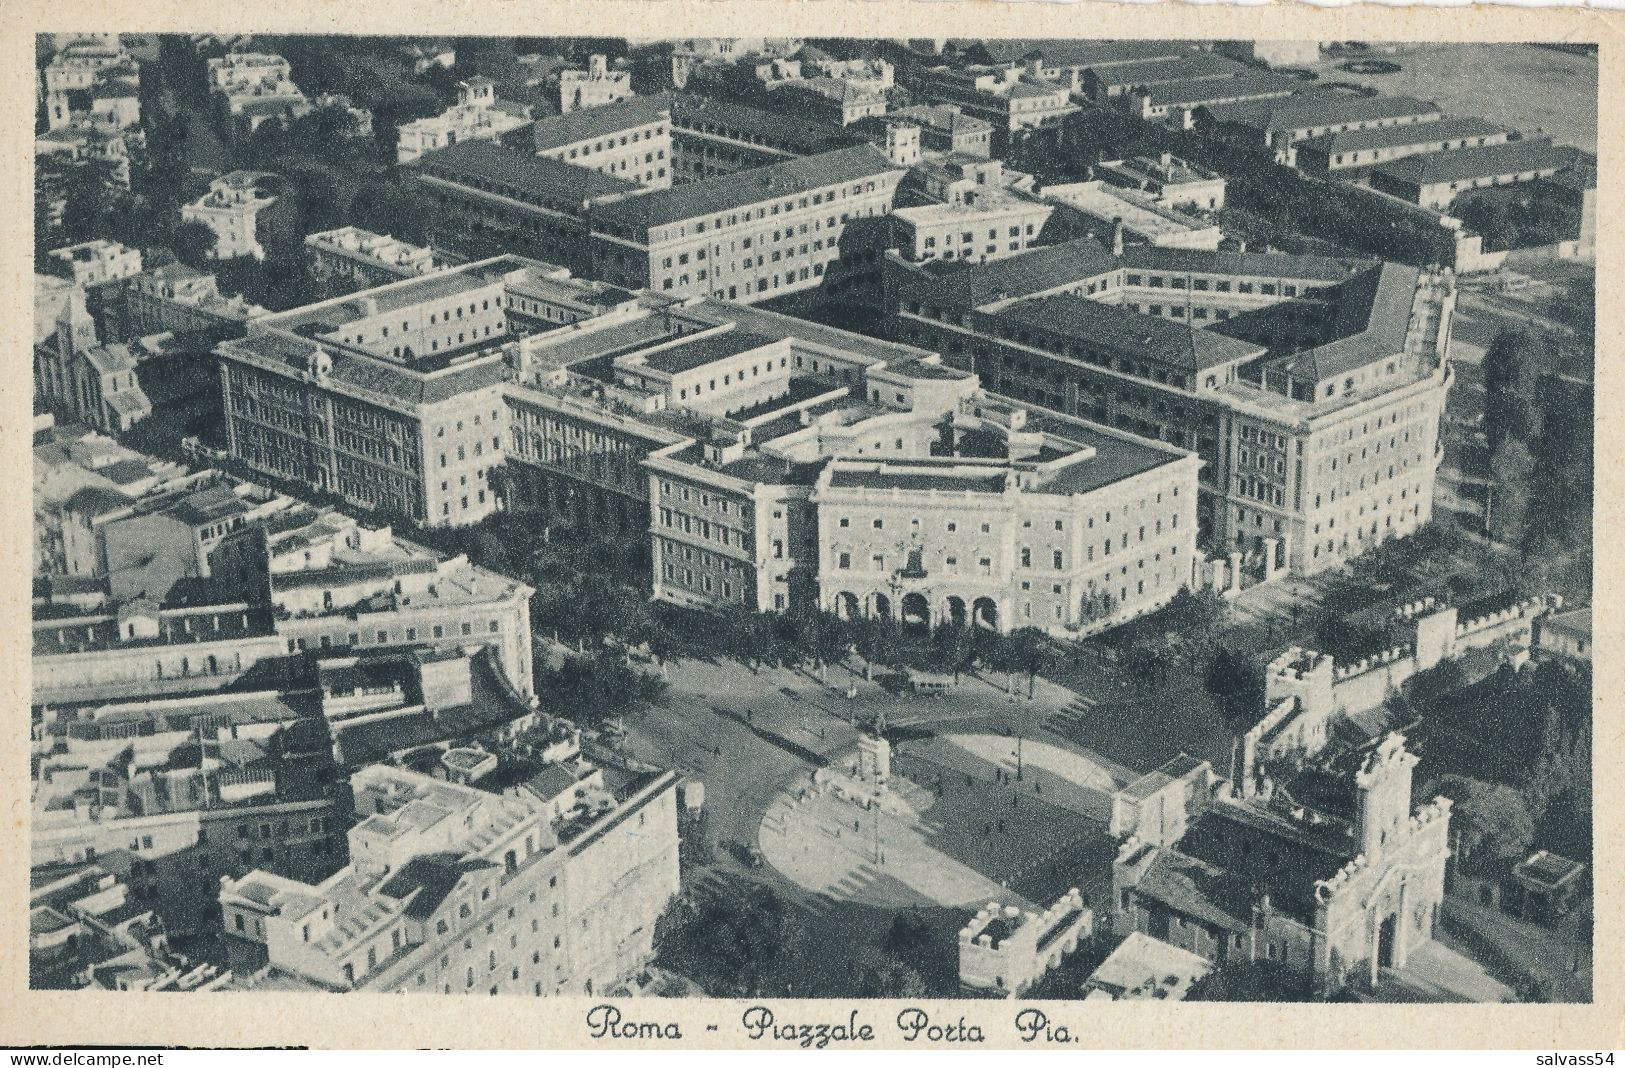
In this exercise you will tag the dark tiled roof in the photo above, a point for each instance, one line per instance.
(1201, 91)
(1466, 163)
(519, 175)
(1261, 264)
(1154, 71)
(772, 128)
(1080, 53)
(1118, 330)
(1030, 272)
(689, 355)
(379, 378)
(726, 192)
(1416, 133)
(1313, 109)
(583, 124)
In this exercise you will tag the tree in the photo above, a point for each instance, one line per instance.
(741, 940)
(194, 243)
(395, 208)
(1491, 820)
(1029, 652)
(908, 933)
(1237, 682)
(1506, 369)
(893, 980)
(1510, 469)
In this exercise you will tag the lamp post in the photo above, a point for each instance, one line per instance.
(1018, 758)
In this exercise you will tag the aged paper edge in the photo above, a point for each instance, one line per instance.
(379, 1021)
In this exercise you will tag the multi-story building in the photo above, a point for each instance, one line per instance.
(629, 140)
(454, 889)
(1113, 83)
(713, 136)
(832, 100)
(72, 465)
(1351, 154)
(92, 80)
(1311, 387)
(187, 790)
(231, 208)
(1008, 97)
(75, 373)
(754, 234)
(347, 259)
(88, 141)
(946, 128)
(1334, 875)
(1436, 179)
(1069, 62)
(477, 116)
(92, 263)
(313, 581)
(598, 84)
(392, 398)
(252, 88)
(1279, 125)
(1100, 207)
(1178, 103)
(1169, 180)
(184, 301)
(493, 199)
(983, 228)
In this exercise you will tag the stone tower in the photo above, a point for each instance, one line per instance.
(1384, 804)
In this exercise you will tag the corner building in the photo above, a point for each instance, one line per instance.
(1311, 387)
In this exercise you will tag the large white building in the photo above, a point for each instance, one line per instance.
(477, 116)
(1311, 387)
(231, 208)
(455, 889)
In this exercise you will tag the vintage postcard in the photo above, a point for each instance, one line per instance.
(835, 526)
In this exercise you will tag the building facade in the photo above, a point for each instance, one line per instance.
(347, 259)
(1319, 432)
(629, 140)
(453, 889)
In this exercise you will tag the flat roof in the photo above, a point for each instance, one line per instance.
(689, 355)
(1063, 52)
(726, 192)
(1150, 967)
(1514, 157)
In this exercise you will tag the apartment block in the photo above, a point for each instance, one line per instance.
(477, 116)
(455, 889)
(347, 259)
(1311, 388)
(231, 208)
(630, 140)
(1351, 154)
(597, 85)
(750, 235)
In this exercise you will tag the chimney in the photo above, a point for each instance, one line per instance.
(1117, 236)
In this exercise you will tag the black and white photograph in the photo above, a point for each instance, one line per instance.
(1040, 520)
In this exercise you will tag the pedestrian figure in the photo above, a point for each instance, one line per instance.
(1001, 826)
(856, 826)
(1038, 788)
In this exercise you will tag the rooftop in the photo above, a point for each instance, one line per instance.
(522, 176)
(1312, 109)
(691, 354)
(1146, 967)
(584, 124)
(1201, 91)
(1416, 133)
(1514, 157)
(772, 128)
(726, 192)
(1179, 68)
(1048, 267)
(1107, 327)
